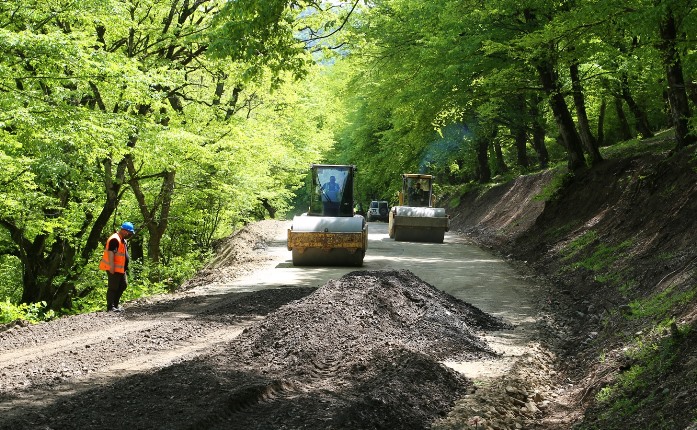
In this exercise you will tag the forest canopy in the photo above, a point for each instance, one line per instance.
(191, 118)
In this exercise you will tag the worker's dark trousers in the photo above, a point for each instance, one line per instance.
(116, 285)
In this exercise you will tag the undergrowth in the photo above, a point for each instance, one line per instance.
(552, 190)
(144, 280)
(643, 385)
(31, 312)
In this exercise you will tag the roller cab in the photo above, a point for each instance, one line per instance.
(329, 234)
(415, 219)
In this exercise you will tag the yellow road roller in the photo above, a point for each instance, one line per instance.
(415, 219)
(329, 233)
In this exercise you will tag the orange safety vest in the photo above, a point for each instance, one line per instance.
(119, 257)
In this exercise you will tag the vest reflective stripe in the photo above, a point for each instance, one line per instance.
(119, 256)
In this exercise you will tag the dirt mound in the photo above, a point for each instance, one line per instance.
(239, 254)
(366, 310)
(353, 349)
(362, 352)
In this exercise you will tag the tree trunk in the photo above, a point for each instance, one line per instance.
(42, 267)
(625, 130)
(601, 122)
(501, 166)
(156, 224)
(112, 190)
(562, 116)
(642, 120)
(679, 107)
(269, 208)
(519, 131)
(587, 138)
(538, 133)
(521, 142)
(483, 170)
(135, 248)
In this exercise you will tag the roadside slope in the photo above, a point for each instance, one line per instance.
(616, 244)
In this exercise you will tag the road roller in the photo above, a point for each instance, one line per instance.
(416, 219)
(329, 233)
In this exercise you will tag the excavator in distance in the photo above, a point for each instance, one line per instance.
(329, 233)
(415, 219)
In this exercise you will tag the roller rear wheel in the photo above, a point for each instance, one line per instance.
(333, 257)
(408, 234)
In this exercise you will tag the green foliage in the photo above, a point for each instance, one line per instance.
(261, 34)
(661, 304)
(10, 278)
(635, 389)
(603, 256)
(410, 76)
(32, 312)
(103, 103)
(551, 191)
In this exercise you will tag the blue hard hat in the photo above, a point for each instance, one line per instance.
(128, 226)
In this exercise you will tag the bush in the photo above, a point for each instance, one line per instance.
(33, 312)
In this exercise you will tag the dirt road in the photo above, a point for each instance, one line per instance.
(164, 356)
(455, 267)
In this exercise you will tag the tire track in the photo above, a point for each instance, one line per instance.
(140, 364)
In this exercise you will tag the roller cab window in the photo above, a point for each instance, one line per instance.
(332, 190)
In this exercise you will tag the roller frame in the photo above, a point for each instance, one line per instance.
(418, 229)
(326, 248)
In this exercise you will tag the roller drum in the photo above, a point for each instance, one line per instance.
(418, 224)
(420, 212)
(304, 223)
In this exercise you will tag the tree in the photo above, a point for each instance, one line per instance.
(112, 111)
(673, 14)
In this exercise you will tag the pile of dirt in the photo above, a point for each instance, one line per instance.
(54, 355)
(360, 352)
(239, 254)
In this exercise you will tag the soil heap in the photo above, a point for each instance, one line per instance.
(345, 356)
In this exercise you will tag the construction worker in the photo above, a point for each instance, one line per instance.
(115, 262)
(331, 197)
(416, 195)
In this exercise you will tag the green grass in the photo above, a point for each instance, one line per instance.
(619, 279)
(665, 256)
(661, 304)
(662, 141)
(634, 391)
(551, 191)
(579, 244)
(603, 256)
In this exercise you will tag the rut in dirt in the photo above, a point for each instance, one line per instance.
(363, 352)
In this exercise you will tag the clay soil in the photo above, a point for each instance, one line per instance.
(365, 351)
